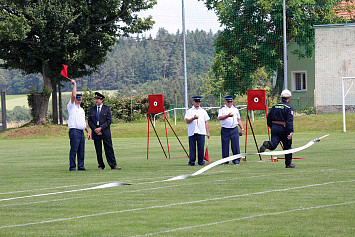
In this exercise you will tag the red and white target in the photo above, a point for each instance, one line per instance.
(156, 104)
(256, 100)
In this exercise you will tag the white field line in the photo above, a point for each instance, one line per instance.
(28, 203)
(132, 191)
(137, 190)
(41, 189)
(76, 185)
(174, 204)
(248, 217)
(159, 181)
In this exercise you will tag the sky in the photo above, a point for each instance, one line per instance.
(168, 14)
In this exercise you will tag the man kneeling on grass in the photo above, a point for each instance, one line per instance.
(280, 120)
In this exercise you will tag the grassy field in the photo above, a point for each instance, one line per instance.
(40, 197)
(16, 100)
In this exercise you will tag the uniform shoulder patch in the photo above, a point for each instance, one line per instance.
(279, 106)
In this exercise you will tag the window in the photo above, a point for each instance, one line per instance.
(299, 81)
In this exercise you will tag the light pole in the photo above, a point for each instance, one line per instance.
(184, 49)
(284, 43)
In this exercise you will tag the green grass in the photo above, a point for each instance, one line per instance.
(252, 199)
(325, 123)
(16, 100)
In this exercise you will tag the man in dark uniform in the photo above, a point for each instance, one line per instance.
(280, 120)
(99, 122)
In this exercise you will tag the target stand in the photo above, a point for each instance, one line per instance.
(256, 101)
(156, 105)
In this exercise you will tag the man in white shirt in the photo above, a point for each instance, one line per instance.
(197, 120)
(77, 125)
(230, 119)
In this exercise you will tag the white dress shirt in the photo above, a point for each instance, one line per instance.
(76, 116)
(229, 122)
(197, 125)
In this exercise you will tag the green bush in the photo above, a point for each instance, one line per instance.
(124, 109)
(18, 114)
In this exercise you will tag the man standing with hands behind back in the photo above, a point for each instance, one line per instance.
(99, 122)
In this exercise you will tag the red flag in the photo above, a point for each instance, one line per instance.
(206, 153)
(64, 71)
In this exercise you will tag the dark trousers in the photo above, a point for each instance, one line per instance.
(77, 148)
(110, 155)
(279, 133)
(200, 140)
(230, 135)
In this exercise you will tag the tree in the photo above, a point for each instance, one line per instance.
(38, 36)
(252, 37)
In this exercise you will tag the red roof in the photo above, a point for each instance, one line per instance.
(346, 10)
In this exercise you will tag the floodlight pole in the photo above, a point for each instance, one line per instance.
(284, 43)
(184, 49)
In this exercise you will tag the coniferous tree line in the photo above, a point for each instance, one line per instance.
(138, 65)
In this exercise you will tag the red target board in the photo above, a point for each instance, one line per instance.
(156, 104)
(256, 100)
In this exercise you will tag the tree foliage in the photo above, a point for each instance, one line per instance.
(141, 66)
(38, 36)
(253, 37)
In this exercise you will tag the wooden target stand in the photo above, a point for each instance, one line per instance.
(156, 105)
(256, 101)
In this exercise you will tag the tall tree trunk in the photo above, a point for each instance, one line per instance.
(279, 82)
(60, 103)
(41, 100)
(54, 104)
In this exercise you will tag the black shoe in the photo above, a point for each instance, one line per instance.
(291, 166)
(83, 169)
(236, 161)
(189, 164)
(266, 145)
(225, 163)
